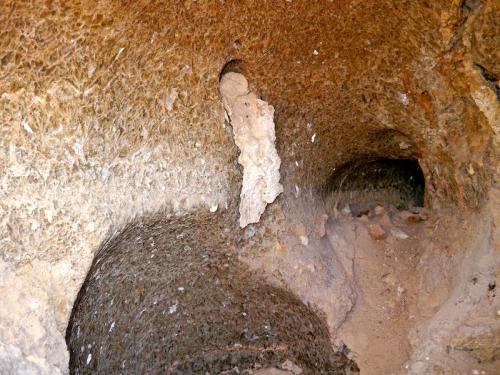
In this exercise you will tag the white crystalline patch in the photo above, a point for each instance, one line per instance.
(172, 309)
(90, 70)
(68, 156)
(26, 127)
(78, 149)
(254, 134)
(313, 138)
(89, 358)
(171, 98)
(404, 98)
(35, 224)
(112, 326)
(403, 145)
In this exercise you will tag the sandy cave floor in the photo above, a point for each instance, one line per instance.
(398, 262)
(385, 268)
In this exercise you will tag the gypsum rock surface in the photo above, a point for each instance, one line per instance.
(87, 107)
(253, 129)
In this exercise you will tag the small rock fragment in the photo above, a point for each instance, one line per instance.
(389, 279)
(292, 367)
(386, 220)
(400, 290)
(424, 214)
(377, 232)
(271, 371)
(321, 225)
(280, 248)
(409, 217)
(26, 127)
(35, 224)
(404, 98)
(299, 229)
(471, 170)
(404, 146)
(297, 191)
(399, 234)
(415, 209)
(304, 240)
(346, 211)
(379, 210)
(364, 219)
(249, 231)
(171, 98)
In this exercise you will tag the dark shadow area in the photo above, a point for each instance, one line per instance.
(166, 296)
(364, 184)
(233, 66)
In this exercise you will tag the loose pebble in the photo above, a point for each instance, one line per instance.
(399, 234)
(377, 232)
(304, 240)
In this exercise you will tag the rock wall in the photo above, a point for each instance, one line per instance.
(111, 109)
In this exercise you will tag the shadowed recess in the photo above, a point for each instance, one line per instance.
(164, 296)
(364, 184)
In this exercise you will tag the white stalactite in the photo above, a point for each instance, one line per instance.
(254, 134)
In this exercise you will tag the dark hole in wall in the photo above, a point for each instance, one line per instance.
(470, 5)
(364, 184)
(233, 66)
(166, 296)
(490, 79)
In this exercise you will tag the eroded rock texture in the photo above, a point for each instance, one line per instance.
(111, 110)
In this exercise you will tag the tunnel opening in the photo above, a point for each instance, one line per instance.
(361, 185)
(165, 296)
(376, 224)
